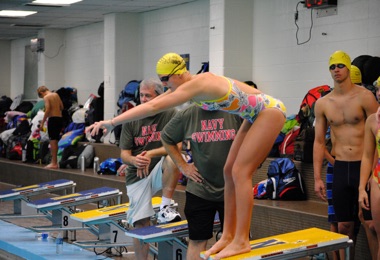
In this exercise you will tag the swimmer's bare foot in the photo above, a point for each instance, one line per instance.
(218, 246)
(51, 166)
(234, 249)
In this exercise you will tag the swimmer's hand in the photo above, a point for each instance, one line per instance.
(95, 127)
(320, 189)
(191, 172)
(363, 199)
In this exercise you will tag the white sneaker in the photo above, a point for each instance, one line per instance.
(167, 215)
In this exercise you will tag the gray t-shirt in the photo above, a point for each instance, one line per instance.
(210, 134)
(143, 135)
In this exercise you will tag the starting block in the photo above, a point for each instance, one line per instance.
(105, 223)
(296, 244)
(21, 196)
(168, 238)
(59, 209)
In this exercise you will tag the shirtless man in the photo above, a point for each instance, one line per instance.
(345, 109)
(53, 113)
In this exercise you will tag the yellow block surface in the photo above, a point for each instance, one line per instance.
(290, 242)
(105, 212)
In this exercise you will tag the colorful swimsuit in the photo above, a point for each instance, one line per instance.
(376, 172)
(247, 106)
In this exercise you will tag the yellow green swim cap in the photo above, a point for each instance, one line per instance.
(356, 75)
(377, 83)
(171, 63)
(340, 57)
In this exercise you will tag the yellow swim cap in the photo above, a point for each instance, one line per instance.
(377, 83)
(340, 57)
(171, 63)
(356, 75)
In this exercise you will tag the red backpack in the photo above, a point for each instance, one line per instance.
(313, 94)
(287, 146)
(306, 112)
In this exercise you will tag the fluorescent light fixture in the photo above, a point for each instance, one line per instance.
(15, 13)
(55, 2)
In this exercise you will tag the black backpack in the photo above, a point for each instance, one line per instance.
(44, 154)
(5, 105)
(25, 107)
(95, 112)
(70, 156)
(24, 128)
(32, 150)
(303, 145)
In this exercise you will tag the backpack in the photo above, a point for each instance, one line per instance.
(303, 145)
(16, 152)
(44, 154)
(72, 154)
(68, 97)
(129, 93)
(287, 146)
(74, 126)
(5, 105)
(306, 112)
(284, 182)
(16, 120)
(275, 150)
(23, 128)
(14, 146)
(110, 166)
(95, 110)
(24, 106)
(32, 150)
(70, 138)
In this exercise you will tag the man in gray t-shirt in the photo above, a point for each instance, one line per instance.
(149, 168)
(210, 135)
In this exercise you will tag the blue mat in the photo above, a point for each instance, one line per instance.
(22, 242)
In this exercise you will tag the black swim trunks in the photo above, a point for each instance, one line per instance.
(200, 214)
(55, 125)
(345, 190)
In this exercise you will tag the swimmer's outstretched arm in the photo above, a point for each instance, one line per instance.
(172, 99)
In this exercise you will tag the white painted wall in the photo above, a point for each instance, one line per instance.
(182, 29)
(5, 69)
(280, 67)
(287, 70)
(84, 59)
(17, 66)
(51, 67)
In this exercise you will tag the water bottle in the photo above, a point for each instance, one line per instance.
(96, 164)
(82, 163)
(23, 157)
(59, 243)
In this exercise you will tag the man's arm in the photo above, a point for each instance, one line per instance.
(369, 103)
(141, 162)
(319, 148)
(158, 152)
(367, 160)
(47, 111)
(188, 169)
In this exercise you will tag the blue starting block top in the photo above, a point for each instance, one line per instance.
(15, 193)
(56, 202)
(163, 232)
(23, 243)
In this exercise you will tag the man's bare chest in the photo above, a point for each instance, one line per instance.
(344, 112)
